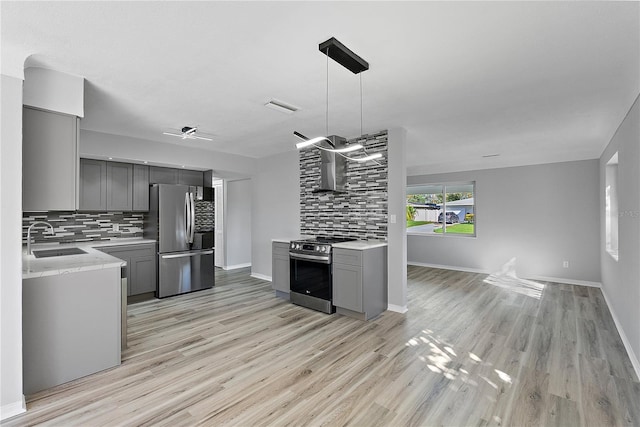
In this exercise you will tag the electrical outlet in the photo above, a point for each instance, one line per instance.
(392, 219)
(565, 264)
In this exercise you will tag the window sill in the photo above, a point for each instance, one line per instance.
(440, 235)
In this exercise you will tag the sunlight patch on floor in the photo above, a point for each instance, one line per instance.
(507, 279)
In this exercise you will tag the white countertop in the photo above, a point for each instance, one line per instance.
(94, 259)
(360, 245)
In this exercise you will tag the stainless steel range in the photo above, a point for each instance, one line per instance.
(310, 272)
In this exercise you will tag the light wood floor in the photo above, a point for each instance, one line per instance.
(472, 350)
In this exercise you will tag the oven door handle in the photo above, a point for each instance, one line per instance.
(315, 258)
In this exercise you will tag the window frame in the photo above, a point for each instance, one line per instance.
(444, 209)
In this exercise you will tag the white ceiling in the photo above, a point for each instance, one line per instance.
(535, 82)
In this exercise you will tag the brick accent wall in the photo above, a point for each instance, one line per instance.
(362, 211)
(82, 226)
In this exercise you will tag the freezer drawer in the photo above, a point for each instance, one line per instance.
(183, 272)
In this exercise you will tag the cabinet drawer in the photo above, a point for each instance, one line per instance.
(280, 248)
(347, 256)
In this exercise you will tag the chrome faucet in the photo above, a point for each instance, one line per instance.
(29, 233)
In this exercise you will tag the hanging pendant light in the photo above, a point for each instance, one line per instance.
(335, 50)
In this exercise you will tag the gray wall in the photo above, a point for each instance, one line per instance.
(621, 279)
(238, 223)
(103, 145)
(11, 399)
(541, 215)
(275, 207)
(397, 236)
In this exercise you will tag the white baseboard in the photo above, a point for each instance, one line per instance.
(627, 345)
(261, 276)
(13, 409)
(236, 266)
(480, 271)
(566, 281)
(397, 308)
(448, 267)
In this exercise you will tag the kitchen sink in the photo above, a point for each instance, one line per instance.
(46, 253)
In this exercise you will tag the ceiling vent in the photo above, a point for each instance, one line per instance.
(283, 107)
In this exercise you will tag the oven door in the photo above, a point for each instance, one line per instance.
(310, 277)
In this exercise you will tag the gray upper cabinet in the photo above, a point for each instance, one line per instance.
(119, 186)
(160, 175)
(113, 186)
(49, 161)
(93, 185)
(140, 188)
(189, 177)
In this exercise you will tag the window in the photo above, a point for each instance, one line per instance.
(611, 206)
(442, 209)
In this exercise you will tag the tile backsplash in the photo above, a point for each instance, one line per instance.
(83, 226)
(361, 212)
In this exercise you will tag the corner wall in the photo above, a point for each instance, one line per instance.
(621, 278)
(275, 208)
(541, 215)
(237, 206)
(11, 398)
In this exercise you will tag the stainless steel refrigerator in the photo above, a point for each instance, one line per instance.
(185, 256)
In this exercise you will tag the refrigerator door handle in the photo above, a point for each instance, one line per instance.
(193, 218)
(186, 254)
(187, 211)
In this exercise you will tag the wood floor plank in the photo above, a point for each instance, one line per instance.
(472, 350)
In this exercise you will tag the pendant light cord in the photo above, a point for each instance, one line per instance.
(361, 131)
(327, 115)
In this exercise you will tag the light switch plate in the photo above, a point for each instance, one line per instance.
(392, 219)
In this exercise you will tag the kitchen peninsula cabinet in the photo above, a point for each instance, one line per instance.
(141, 266)
(49, 161)
(360, 280)
(280, 268)
(70, 326)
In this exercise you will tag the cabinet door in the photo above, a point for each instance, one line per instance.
(347, 287)
(93, 185)
(119, 186)
(159, 175)
(280, 267)
(280, 279)
(49, 161)
(143, 275)
(140, 188)
(189, 177)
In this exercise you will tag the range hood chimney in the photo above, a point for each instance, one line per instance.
(333, 168)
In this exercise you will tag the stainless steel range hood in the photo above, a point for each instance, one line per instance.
(333, 168)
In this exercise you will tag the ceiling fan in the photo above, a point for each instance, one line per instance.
(188, 132)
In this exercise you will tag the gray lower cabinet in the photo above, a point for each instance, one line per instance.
(49, 161)
(141, 266)
(119, 186)
(140, 188)
(360, 281)
(280, 268)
